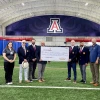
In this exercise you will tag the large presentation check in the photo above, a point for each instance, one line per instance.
(55, 53)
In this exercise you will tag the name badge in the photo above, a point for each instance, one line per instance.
(11, 52)
(84, 53)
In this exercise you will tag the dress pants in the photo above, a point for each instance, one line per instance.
(95, 72)
(83, 71)
(32, 68)
(73, 65)
(21, 73)
(8, 67)
(41, 69)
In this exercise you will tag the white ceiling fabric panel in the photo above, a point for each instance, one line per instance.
(15, 10)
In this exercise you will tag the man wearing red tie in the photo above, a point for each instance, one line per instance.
(73, 51)
(83, 58)
(32, 60)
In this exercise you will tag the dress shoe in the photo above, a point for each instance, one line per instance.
(74, 81)
(30, 80)
(96, 84)
(81, 81)
(67, 79)
(84, 82)
(43, 80)
(92, 82)
(40, 81)
(27, 81)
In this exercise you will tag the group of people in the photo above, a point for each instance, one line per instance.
(31, 54)
(84, 55)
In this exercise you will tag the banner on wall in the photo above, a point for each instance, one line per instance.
(53, 25)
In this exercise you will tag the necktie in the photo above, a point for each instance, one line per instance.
(70, 49)
(80, 49)
(34, 48)
(24, 50)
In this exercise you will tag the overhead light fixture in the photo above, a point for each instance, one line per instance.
(86, 4)
(23, 4)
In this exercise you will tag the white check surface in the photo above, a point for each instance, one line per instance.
(55, 53)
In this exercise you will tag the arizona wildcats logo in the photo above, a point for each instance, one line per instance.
(54, 26)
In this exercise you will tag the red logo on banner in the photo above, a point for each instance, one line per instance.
(54, 26)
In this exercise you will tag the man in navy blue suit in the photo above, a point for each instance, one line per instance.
(23, 56)
(83, 58)
(32, 60)
(73, 51)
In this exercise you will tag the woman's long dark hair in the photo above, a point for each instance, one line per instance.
(8, 44)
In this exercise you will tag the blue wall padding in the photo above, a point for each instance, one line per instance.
(3, 44)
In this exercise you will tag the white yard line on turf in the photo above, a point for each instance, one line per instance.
(48, 87)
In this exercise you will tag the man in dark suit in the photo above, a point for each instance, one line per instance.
(32, 60)
(83, 58)
(23, 56)
(73, 51)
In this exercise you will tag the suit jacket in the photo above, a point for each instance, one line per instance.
(38, 54)
(22, 55)
(83, 56)
(73, 54)
(31, 53)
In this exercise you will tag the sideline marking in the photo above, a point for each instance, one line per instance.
(48, 87)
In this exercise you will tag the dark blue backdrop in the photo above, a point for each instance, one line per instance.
(37, 26)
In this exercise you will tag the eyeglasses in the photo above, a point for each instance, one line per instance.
(24, 43)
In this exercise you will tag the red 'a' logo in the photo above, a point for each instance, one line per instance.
(54, 26)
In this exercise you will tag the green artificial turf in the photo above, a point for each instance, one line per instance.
(55, 74)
